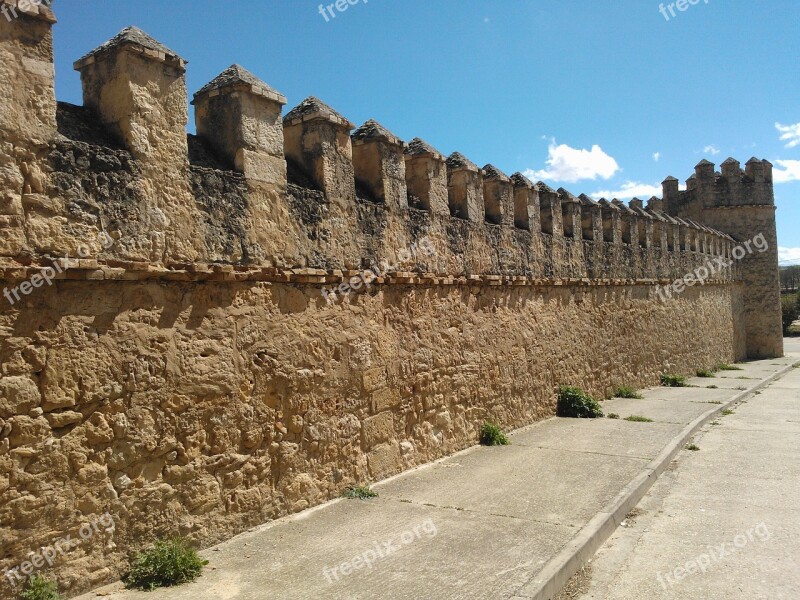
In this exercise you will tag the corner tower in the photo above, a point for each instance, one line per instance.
(741, 204)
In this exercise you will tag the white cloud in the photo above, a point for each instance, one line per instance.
(786, 171)
(789, 134)
(788, 256)
(711, 149)
(656, 156)
(572, 164)
(630, 189)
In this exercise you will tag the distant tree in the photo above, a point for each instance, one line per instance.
(790, 306)
(790, 277)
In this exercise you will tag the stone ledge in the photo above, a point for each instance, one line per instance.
(139, 271)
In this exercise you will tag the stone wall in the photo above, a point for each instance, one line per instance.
(205, 408)
(173, 348)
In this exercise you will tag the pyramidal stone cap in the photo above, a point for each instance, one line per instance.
(586, 200)
(606, 204)
(543, 187)
(492, 173)
(458, 161)
(135, 40)
(237, 78)
(314, 109)
(567, 196)
(657, 215)
(420, 148)
(668, 218)
(372, 131)
(622, 206)
(519, 180)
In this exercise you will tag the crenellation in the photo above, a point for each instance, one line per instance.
(498, 196)
(317, 138)
(644, 222)
(591, 224)
(379, 164)
(591, 219)
(426, 177)
(731, 170)
(628, 222)
(550, 207)
(704, 171)
(612, 224)
(526, 203)
(570, 214)
(137, 87)
(239, 116)
(465, 189)
(655, 204)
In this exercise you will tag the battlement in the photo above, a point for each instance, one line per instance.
(304, 190)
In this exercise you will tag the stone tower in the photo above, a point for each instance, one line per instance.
(741, 204)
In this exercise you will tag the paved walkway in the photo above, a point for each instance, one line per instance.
(725, 521)
(485, 523)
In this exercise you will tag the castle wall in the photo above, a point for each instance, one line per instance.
(179, 346)
(203, 408)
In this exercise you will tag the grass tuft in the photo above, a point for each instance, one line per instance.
(638, 419)
(727, 412)
(724, 367)
(169, 562)
(492, 435)
(625, 391)
(575, 403)
(358, 492)
(669, 380)
(692, 447)
(613, 416)
(40, 588)
(705, 373)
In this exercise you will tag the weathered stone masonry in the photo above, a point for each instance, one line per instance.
(189, 377)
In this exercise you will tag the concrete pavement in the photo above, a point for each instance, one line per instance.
(507, 522)
(723, 522)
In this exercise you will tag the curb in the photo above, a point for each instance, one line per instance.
(554, 575)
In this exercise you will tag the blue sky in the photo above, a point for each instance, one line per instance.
(598, 97)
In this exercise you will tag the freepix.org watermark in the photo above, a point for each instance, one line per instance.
(701, 274)
(369, 557)
(48, 554)
(10, 11)
(365, 278)
(330, 11)
(48, 274)
(703, 562)
(681, 5)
